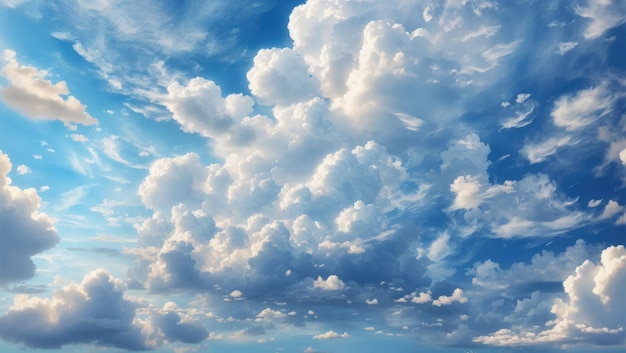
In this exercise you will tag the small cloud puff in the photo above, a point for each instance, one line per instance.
(456, 297)
(23, 169)
(332, 283)
(330, 335)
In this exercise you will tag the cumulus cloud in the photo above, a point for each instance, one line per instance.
(590, 313)
(421, 298)
(23, 169)
(330, 335)
(200, 108)
(281, 77)
(328, 186)
(543, 269)
(611, 209)
(332, 283)
(177, 326)
(456, 297)
(268, 314)
(94, 311)
(25, 230)
(31, 94)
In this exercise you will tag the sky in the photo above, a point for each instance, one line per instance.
(312, 176)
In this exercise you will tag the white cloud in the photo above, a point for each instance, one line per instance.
(26, 230)
(543, 267)
(594, 203)
(281, 77)
(427, 13)
(564, 47)
(93, 311)
(31, 94)
(332, 283)
(23, 169)
(539, 152)
(622, 156)
(199, 107)
(173, 180)
(602, 15)
(456, 297)
(466, 189)
(522, 97)
(330, 335)
(79, 138)
(499, 51)
(268, 315)
(592, 312)
(177, 325)
(483, 31)
(236, 294)
(577, 110)
(611, 209)
(371, 301)
(522, 118)
(421, 298)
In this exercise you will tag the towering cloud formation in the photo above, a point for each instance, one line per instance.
(362, 170)
(93, 311)
(25, 231)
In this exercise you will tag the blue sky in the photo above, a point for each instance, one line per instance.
(312, 176)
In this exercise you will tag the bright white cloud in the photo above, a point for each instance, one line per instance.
(456, 297)
(539, 152)
(200, 108)
(268, 315)
(602, 16)
(591, 313)
(330, 335)
(611, 209)
(575, 111)
(332, 283)
(23, 169)
(466, 189)
(94, 311)
(281, 77)
(31, 94)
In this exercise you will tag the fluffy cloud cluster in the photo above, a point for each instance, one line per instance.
(25, 230)
(178, 326)
(320, 196)
(540, 210)
(592, 311)
(31, 94)
(93, 311)
(333, 190)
